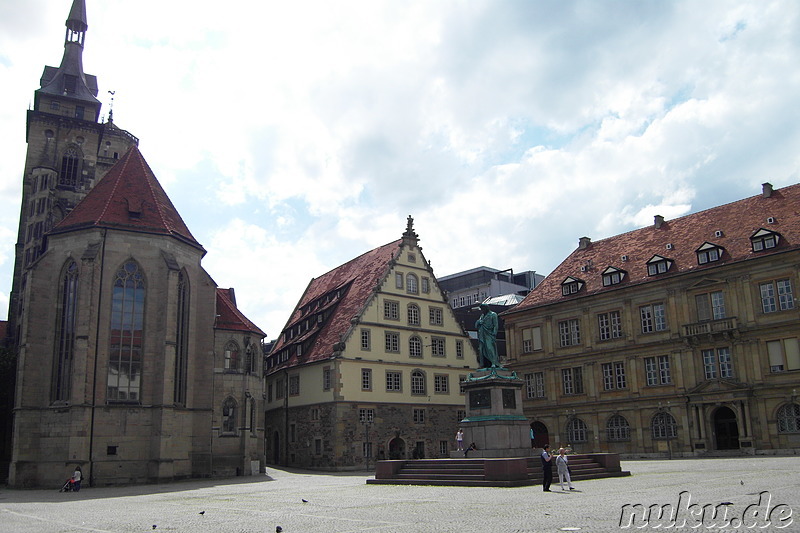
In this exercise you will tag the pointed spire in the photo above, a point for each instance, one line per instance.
(409, 237)
(69, 80)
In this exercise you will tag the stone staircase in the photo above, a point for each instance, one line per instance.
(487, 472)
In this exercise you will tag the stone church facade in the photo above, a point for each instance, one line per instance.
(131, 362)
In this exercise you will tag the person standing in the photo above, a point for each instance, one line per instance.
(562, 465)
(460, 440)
(76, 478)
(547, 468)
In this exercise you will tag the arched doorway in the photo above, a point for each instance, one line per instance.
(397, 448)
(540, 435)
(726, 429)
(276, 448)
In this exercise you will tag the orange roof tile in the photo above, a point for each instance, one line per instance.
(736, 221)
(229, 317)
(128, 197)
(355, 281)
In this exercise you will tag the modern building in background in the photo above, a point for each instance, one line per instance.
(474, 286)
(677, 338)
(131, 363)
(368, 366)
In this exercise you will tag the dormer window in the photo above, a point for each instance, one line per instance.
(571, 285)
(708, 253)
(612, 276)
(658, 265)
(764, 239)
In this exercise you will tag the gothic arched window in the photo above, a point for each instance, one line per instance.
(126, 341)
(65, 333)
(664, 426)
(229, 416)
(618, 428)
(182, 339)
(231, 356)
(70, 168)
(577, 430)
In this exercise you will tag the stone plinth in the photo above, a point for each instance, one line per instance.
(494, 421)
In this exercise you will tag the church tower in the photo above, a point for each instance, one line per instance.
(69, 150)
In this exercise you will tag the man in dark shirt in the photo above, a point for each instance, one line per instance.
(547, 468)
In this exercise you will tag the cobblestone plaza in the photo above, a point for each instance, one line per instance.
(343, 502)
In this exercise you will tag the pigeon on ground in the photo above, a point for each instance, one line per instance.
(278, 529)
(202, 512)
(304, 500)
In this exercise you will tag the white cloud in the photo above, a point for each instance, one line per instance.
(294, 136)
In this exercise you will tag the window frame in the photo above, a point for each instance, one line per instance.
(609, 325)
(569, 332)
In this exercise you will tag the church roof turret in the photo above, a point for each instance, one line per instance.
(69, 80)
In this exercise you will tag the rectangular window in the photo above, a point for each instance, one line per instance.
(776, 295)
(392, 342)
(610, 325)
(317, 446)
(398, 280)
(279, 389)
(426, 285)
(608, 376)
(366, 379)
(569, 332)
(366, 449)
(783, 355)
(315, 414)
(441, 383)
(534, 385)
(294, 385)
(391, 310)
(710, 306)
(326, 379)
(419, 416)
(366, 340)
(531, 339)
(459, 349)
(657, 370)
(393, 381)
(443, 448)
(619, 375)
(653, 317)
(366, 416)
(436, 316)
(292, 432)
(437, 346)
(717, 364)
(461, 415)
(573, 380)
(461, 379)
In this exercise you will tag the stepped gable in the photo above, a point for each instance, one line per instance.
(737, 221)
(130, 198)
(355, 282)
(229, 317)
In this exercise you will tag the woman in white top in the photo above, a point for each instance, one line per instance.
(563, 469)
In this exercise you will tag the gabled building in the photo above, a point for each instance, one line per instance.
(368, 365)
(677, 338)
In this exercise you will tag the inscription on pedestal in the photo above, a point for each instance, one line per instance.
(480, 399)
(509, 399)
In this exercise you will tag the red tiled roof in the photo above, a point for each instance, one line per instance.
(229, 317)
(356, 281)
(737, 221)
(128, 197)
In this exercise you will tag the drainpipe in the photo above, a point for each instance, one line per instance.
(96, 355)
(286, 416)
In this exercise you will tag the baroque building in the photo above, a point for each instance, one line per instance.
(368, 366)
(130, 361)
(680, 338)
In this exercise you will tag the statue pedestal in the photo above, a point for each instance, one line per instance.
(494, 421)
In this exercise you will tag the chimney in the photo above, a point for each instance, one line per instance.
(584, 242)
(766, 190)
(659, 221)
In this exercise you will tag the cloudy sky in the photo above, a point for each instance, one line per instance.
(295, 135)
